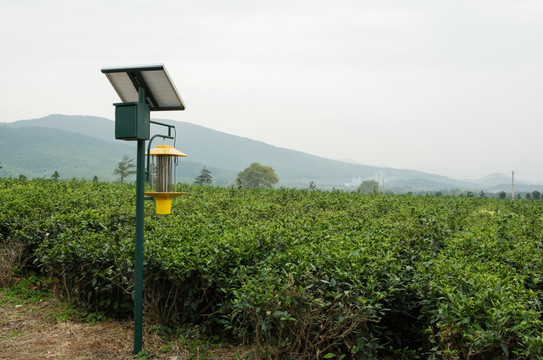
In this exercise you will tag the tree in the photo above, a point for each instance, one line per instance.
(257, 176)
(536, 195)
(502, 195)
(55, 176)
(125, 167)
(204, 178)
(368, 187)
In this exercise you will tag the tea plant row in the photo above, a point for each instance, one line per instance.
(301, 273)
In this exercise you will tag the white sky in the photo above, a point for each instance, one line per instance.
(451, 87)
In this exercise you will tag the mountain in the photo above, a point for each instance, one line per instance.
(40, 151)
(494, 179)
(85, 146)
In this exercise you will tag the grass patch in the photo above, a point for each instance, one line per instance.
(27, 290)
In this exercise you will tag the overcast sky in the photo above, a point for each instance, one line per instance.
(451, 87)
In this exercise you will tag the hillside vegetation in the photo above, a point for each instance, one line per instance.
(85, 146)
(300, 273)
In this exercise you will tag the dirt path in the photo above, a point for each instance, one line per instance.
(41, 330)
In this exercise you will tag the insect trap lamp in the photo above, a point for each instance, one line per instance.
(164, 160)
(143, 89)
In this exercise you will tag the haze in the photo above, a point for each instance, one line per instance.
(450, 87)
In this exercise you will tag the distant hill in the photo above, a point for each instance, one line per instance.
(75, 146)
(494, 179)
(38, 152)
(85, 146)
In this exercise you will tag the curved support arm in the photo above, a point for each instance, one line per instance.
(170, 127)
(149, 152)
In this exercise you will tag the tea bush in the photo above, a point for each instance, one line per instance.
(298, 273)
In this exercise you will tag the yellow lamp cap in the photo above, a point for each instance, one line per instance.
(166, 150)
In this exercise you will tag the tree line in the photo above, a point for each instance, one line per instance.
(254, 176)
(261, 176)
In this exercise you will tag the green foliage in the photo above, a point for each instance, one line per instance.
(204, 178)
(257, 176)
(368, 187)
(125, 168)
(145, 355)
(298, 273)
(28, 289)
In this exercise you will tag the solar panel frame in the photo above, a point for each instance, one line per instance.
(160, 91)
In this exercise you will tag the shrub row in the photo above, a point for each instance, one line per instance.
(299, 273)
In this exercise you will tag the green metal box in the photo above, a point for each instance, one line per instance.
(132, 121)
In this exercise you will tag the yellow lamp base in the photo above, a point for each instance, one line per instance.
(163, 201)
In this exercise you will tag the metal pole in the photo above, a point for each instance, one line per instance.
(138, 274)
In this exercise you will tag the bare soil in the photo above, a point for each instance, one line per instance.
(32, 331)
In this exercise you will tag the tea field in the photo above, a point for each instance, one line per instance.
(301, 274)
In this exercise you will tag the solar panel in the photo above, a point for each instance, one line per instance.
(160, 92)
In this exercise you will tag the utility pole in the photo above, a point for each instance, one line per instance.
(512, 185)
